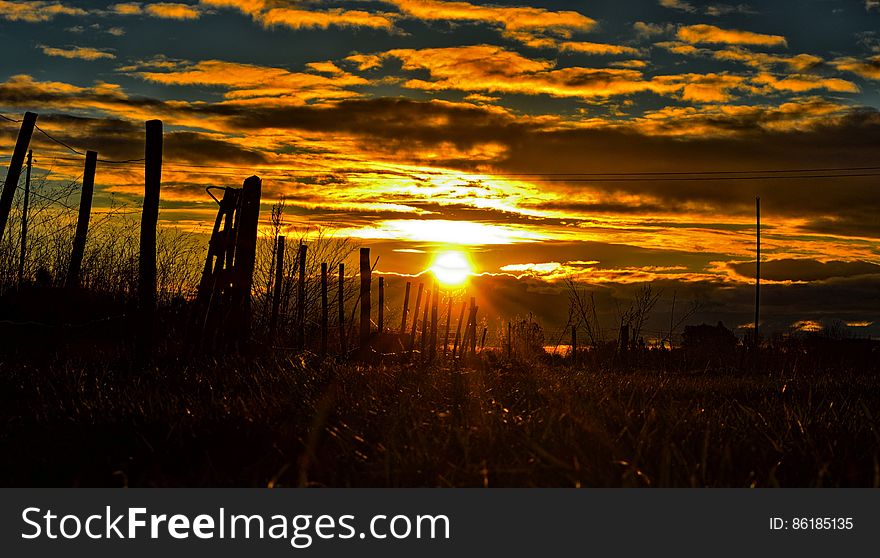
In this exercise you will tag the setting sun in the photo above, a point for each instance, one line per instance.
(451, 268)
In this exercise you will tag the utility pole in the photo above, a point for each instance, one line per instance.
(757, 266)
(24, 216)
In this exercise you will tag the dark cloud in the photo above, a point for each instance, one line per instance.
(806, 270)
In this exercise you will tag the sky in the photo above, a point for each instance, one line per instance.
(545, 140)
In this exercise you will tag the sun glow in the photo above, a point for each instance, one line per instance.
(451, 268)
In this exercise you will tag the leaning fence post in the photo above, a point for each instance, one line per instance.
(14, 172)
(474, 332)
(277, 287)
(412, 335)
(458, 329)
(365, 296)
(301, 299)
(149, 222)
(340, 295)
(425, 322)
(324, 311)
(82, 221)
(405, 308)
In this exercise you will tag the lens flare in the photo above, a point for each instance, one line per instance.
(451, 268)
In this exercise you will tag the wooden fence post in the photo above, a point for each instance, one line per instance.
(405, 308)
(509, 339)
(149, 222)
(277, 287)
(301, 299)
(458, 329)
(82, 221)
(425, 322)
(340, 295)
(14, 172)
(432, 351)
(465, 340)
(412, 336)
(24, 218)
(245, 255)
(324, 309)
(381, 320)
(574, 344)
(474, 332)
(365, 296)
(448, 318)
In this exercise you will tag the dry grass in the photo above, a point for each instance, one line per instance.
(283, 421)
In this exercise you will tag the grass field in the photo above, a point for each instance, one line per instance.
(290, 421)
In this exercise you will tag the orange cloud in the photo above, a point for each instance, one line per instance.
(725, 119)
(800, 83)
(596, 48)
(277, 13)
(163, 10)
(365, 61)
(83, 53)
(35, 11)
(170, 10)
(495, 69)
(510, 18)
(703, 33)
(248, 81)
(300, 19)
(704, 88)
(127, 8)
(531, 26)
(799, 62)
(868, 69)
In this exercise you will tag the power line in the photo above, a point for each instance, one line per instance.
(58, 141)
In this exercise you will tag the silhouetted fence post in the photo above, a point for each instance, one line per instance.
(277, 288)
(434, 311)
(14, 172)
(574, 344)
(405, 309)
(458, 330)
(425, 322)
(448, 318)
(245, 255)
(483, 339)
(24, 217)
(381, 319)
(341, 302)
(149, 222)
(412, 335)
(301, 299)
(324, 309)
(365, 296)
(474, 332)
(82, 222)
(509, 340)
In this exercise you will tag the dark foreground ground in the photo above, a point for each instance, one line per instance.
(283, 421)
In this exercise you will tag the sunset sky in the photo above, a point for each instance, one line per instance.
(545, 139)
